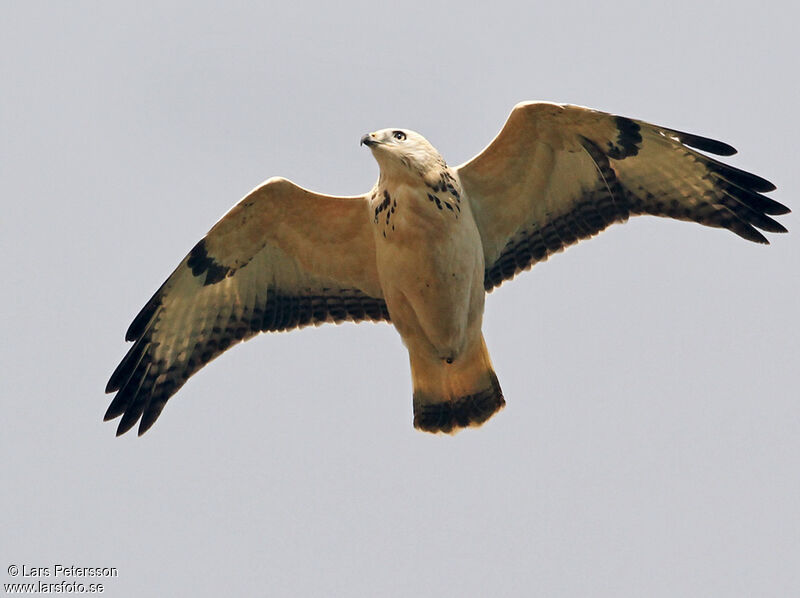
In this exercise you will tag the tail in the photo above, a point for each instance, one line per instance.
(452, 396)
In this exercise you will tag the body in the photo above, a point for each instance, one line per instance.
(430, 264)
(431, 269)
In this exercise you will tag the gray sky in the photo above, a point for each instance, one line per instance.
(651, 438)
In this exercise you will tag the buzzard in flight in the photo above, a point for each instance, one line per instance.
(422, 248)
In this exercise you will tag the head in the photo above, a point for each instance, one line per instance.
(402, 150)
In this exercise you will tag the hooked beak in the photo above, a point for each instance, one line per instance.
(368, 139)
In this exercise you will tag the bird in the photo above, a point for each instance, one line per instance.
(423, 247)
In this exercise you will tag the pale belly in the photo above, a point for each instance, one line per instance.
(431, 268)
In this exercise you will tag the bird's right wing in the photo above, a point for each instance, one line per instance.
(282, 258)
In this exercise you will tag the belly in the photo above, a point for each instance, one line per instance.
(432, 273)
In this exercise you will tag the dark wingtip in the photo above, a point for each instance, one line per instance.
(142, 319)
(704, 144)
(769, 206)
(133, 411)
(151, 414)
(765, 186)
(125, 424)
(773, 226)
(740, 178)
(118, 405)
(748, 232)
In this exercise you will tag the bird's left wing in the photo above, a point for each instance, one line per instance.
(556, 174)
(282, 258)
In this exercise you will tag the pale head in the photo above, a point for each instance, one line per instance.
(401, 150)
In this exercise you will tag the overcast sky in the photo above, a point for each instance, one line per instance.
(651, 441)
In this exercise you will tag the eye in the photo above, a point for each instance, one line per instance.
(399, 135)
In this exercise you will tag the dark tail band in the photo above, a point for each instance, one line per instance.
(462, 412)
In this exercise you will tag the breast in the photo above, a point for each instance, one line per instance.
(430, 263)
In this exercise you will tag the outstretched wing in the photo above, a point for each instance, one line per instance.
(282, 258)
(556, 174)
